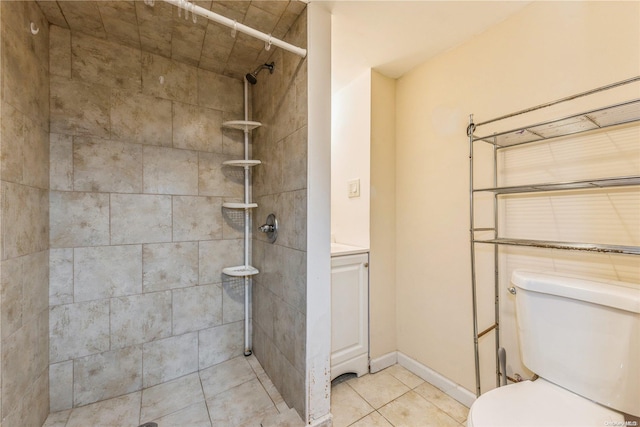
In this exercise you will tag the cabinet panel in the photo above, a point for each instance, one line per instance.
(349, 314)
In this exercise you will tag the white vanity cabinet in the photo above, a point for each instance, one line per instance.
(349, 313)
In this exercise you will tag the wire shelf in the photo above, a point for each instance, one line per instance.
(618, 114)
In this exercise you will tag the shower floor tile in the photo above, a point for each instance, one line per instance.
(393, 397)
(236, 393)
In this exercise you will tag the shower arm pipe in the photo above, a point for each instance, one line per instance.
(223, 20)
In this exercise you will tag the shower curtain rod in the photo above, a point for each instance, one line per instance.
(235, 25)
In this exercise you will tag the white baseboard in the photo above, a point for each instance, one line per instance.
(454, 390)
(382, 362)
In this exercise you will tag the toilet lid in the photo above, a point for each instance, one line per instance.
(538, 403)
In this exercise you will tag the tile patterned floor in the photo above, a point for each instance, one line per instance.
(394, 397)
(236, 393)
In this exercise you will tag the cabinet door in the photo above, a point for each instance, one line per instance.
(349, 314)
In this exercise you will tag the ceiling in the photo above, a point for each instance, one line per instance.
(391, 36)
(163, 29)
(394, 36)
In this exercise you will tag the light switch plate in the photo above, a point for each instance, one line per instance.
(354, 188)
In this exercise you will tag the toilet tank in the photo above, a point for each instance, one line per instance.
(582, 335)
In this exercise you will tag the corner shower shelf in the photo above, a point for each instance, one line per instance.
(242, 163)
(240, 271)
(235, 205)
(244, 125)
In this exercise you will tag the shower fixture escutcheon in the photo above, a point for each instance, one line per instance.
(270, 228)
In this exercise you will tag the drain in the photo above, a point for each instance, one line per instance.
(148, 425)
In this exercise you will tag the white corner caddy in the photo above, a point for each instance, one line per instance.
(246, 270)
(594, 120)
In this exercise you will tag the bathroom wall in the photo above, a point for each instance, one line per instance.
(24, 176)
(382, 255)
(138, 235)
(280, 187)
(547, 51)
(351, 160)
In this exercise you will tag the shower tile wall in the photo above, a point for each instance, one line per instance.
(280, 186)
(24, 191)
(137, 232)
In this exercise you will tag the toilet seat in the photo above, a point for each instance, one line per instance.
(536, 404)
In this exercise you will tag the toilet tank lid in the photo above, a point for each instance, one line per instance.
(620, 295)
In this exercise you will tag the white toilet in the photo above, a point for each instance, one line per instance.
(582, 337)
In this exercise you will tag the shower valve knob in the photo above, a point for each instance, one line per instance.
(270, 228)
(267, 228)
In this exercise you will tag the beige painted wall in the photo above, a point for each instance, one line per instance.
(547, 51)
(382, 271)
(350, 160)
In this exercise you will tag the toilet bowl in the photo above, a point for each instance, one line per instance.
(539, 403)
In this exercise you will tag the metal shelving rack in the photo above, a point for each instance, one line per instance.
(601, 118)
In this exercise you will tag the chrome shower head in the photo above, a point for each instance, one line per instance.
(252, 77)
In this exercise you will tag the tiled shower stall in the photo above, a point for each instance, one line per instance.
(113, 231)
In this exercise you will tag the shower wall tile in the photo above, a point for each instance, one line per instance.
(11, 158)
(79, 219)
(136, 117)
(24, 219)
(25, 63)
(11, 296)
(197, 128)
(196, 308)
(83, 16)
(59, 51)
(137, 228)
(169, 266)
(279, 299)
(104, 62)
(35, 155)
(215, 255)
(220, 92)
(61, 162)
(78, 330)
(170, 171)
(61, 385)
(197, 218)
(106, 375)
(289, 326)
(120, 23)
(79, 108)
(24, 214)
(263, 311)
(233, 300)
(294, 171)
(169, 79)
(140, 318)
(186, 40)
(106, 271)
(137, 218)
(60, 276)
(216, 179)
(18, 365)
(35, 285)
(170, 358)
(220, 343)
(101, 165)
